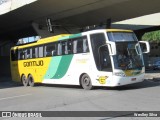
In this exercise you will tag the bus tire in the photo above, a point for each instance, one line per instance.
(24, 80)
(31, 80)
(86, 82)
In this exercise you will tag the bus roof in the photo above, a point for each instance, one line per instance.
(118, 30)
(64, 36)
(42, 41)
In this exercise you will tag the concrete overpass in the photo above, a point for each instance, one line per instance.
(22, 18)
(18, 20)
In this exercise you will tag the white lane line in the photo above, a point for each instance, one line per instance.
(15, 97)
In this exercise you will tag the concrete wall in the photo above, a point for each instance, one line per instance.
(5, 58)
(5, 66)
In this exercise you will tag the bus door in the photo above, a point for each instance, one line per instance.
(101, 53)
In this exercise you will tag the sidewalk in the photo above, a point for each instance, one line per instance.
(152, 75)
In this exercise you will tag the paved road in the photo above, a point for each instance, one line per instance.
(143, 96)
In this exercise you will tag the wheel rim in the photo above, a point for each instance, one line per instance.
(31, 81)
(24, 80)
(86, 81)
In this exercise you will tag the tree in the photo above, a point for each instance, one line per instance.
(152, 36)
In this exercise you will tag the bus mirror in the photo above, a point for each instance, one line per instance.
(112, 48)
(145, 46)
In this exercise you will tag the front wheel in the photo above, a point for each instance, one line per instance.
(24, 80)
(31, 80)
(86, 82)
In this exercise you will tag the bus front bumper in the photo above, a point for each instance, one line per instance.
(120, 81)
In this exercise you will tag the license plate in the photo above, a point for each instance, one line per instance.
(133, 79)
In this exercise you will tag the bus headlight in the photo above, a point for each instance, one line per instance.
(121, 74)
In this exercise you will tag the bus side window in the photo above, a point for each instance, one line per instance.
(67, 47)
(54, 51)
(70, 47)
(40, 51)
(35, 52)
(59, 52)
(75, 46)
(105, 60)
(50, 50)
(85, 45)
(64, 48)
(21, 55)
(25, 53)
(28, 53)
(78, 46)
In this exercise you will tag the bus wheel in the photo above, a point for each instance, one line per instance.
(31, 80)
(24, 80)
(86, 82)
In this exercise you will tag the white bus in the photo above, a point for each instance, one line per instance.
(111, 57)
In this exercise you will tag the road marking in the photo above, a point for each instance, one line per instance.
(14, 97)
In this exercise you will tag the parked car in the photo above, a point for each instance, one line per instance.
(157, 65)
(150, 66)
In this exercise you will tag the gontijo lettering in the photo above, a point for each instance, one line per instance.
(33, 63)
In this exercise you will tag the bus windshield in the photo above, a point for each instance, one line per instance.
(121, 36)
(129, 55)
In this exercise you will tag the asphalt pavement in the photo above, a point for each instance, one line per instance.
(144, 96)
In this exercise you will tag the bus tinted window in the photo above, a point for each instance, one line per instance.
(40, 51)
(80, 45)
(70, 46)
(21, 54)
(28, 56)
(59, 49)
(66, 47)
(85, 45)
(35, 52)
(51, 50)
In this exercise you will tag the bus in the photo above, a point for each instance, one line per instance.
(104, 57)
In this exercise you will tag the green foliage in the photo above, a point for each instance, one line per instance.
(152, 36)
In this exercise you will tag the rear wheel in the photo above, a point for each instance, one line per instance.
(24, 80)
(86, 82)
(31, 80)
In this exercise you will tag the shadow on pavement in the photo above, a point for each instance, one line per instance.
(141, 85)
(62, 86)
(6, 82)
